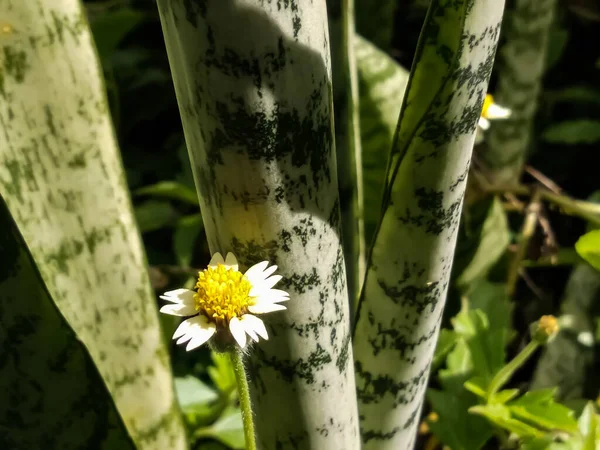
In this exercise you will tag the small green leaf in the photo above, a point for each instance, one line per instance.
(458, 362)
(539, 408)
(228, 429)
(500, 415)
(192, 392)
(153, 215)
(222, 374)
(481, 242)
(503, 396)
(110, 27)
(446, 342)
(457, 430)
(171, 190)
(588, 425)
(588, 247)
(582, 131)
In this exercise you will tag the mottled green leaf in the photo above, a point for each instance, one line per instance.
(588, 247)
(51, 394)
(62, 178)
(410, 261)
(382, 83)
(582, 131)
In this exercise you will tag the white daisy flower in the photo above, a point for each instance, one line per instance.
(226, 301)
(490, 111)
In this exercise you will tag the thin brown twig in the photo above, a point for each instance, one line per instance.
(543, 179)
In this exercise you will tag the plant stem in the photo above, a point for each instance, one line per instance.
(244, 397)
(586, 210)
(527, 231)
(504, 374)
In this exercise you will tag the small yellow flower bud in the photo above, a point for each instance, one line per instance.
(544, 329)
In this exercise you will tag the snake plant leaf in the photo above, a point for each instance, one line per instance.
(51, 394)
(253, 83)
(62, 179)
(522, 61)
(411, 259)
(382, 83)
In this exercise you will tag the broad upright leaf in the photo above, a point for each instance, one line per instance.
(51, 394)
(382, 83)
(409, 270)
(342, 35)
(61, 176)
(253, 83)
(522, 62)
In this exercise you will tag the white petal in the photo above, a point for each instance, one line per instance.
(198, 330)
(179, 309)
(272, 281)
(265, 307)
(201, 336)
(497, 112)
(231, 261)
(179, 296)
(254, 273)
(483, 123)
(216, 259)
(275, 296)
(182, 328)
(254, 324)
(237, 331)
(269, 271)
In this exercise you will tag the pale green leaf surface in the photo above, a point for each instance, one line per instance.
(62, 177)
(411, 258)
(51, 394)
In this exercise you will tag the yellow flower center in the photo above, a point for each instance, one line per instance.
(222, 293)
(489, 100)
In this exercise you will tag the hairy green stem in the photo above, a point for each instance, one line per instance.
(237, 362)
